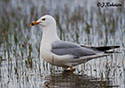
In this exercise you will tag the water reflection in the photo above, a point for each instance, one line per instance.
(72, 80)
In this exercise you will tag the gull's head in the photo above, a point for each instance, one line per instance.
(44, 21)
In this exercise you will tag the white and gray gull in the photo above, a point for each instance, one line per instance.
(63, 53)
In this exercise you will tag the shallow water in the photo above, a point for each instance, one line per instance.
(77, 21)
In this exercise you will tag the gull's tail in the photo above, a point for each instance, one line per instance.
(101, 52)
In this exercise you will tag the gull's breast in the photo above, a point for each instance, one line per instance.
(45, 52)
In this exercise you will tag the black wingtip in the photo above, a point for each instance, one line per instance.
(102, 48)
(115, 46)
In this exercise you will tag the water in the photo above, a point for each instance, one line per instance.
(77, 21)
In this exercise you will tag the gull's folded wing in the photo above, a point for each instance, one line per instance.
(67, 48)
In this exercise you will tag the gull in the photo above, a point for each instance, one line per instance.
(64, 53)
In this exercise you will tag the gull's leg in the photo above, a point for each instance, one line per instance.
(72, 69)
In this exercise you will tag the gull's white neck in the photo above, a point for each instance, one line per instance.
(49, 34)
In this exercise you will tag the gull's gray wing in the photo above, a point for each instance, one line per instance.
(67, 48)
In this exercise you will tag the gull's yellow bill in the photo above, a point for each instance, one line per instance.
(34, 23)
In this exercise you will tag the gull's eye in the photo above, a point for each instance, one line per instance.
(43, 19)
